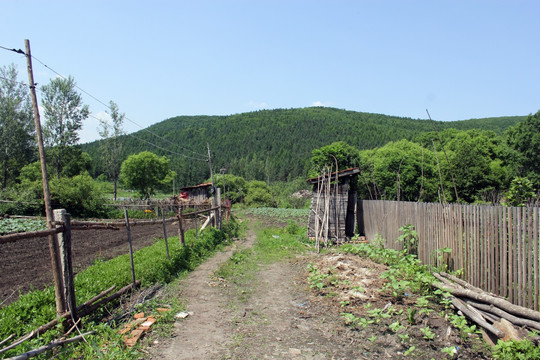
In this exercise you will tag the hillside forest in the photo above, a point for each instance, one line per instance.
(260, 157)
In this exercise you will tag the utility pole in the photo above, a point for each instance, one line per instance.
(212, 179)
(210, 164)
(53, 245)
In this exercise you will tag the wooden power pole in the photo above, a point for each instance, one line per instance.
(53, 245)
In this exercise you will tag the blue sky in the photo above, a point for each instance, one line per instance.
(159, 59)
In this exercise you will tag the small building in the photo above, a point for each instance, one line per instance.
(197, 194)
(333, 205)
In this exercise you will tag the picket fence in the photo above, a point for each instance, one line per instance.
(495, 246)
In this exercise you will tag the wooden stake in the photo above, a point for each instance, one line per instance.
(53, 246)
(64, 245)
(181, 228)
(128, 229)
(165, 234)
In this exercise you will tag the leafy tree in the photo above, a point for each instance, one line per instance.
(276, 145)
(235, 186)
(111, 146)
(145, 172)
(525, 139)
(345, 155)
(258, 194)
(79, 195)
(64, 113)
(399, 170)
(16, 126)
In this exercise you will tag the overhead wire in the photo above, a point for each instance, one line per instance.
(155, 145)
(202, 157)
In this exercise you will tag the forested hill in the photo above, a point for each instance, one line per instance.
(277, 144)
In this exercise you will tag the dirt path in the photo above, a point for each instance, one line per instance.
(278, 320)
(205, 334)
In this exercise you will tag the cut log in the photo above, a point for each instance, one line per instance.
(466, 285)
(498, 302)
(473, 315)
(489, 308)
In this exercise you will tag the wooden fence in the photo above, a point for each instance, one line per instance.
(496, 246)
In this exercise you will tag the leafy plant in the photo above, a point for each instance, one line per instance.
(450, 350)
(409, 239)
(428, 334)
(516, 350)
(15, 225)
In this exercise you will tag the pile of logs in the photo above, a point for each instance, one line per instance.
(497, 316)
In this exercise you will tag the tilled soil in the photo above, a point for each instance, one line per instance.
(26, 264)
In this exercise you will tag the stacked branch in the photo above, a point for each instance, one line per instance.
(85, 309)
(487, 310)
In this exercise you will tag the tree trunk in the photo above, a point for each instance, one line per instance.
(5, 175)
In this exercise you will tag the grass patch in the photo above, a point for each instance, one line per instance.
(300, 215)
(151, 266)
(271, 245)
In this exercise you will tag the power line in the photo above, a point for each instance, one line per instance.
(18, 51)
(127, 118)
(202, 157)
(155, 145)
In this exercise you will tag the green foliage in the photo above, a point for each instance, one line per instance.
(111, 146)
(525, 139)
(145, 172)
(258, 194)
(291, 194)
(9, 225)
(276, 145)
(399, 170)
(516, 350)
(16, 126)
(520, 191)
(235, 186)
(79, 195)
(64, 113)
(283, 214)
(339, 153)
(409, 239)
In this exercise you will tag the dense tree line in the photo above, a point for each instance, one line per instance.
(447, 166)
(274, 145)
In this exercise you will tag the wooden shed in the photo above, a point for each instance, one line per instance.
(333, 204)
(197, 194)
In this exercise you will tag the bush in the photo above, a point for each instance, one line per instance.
(258, 195)
(79, 195)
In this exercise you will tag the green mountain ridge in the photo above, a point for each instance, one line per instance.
(275, 145)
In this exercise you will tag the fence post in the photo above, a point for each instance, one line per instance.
(66, 263)
(181, 228)
(128, 229)
(218, 210)
(196, 226)
(165, 234)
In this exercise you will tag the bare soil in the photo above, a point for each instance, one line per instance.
(281, 317)
(26, 264)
